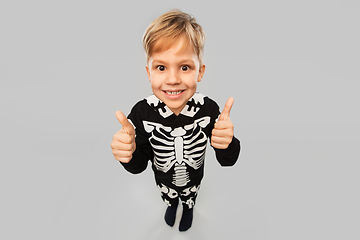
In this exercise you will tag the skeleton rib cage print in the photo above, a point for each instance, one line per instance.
(180, 148)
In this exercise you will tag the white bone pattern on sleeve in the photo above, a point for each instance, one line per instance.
(178, 148)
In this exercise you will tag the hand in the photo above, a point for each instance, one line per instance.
(223, 131)
(123, 144)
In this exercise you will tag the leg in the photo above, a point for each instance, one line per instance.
(171, 198)
(188, 197)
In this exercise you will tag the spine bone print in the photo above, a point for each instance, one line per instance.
(181, 176)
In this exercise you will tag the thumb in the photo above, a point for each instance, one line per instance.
(225, 114)
(126, 125)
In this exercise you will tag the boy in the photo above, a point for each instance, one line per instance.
(171, 128)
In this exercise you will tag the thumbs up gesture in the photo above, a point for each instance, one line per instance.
(123, 144)
(223, 131)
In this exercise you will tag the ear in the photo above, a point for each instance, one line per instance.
(201, 72)
(148, 72)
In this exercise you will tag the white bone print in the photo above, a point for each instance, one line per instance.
(188, 110)
(178, 148)
(181, 176)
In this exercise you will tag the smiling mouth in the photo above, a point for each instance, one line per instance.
(174, 92)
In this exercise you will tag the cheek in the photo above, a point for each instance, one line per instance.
(193, 84)
(192, 81)
(155, 83)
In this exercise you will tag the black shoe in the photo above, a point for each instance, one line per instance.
(170, 215)
(186, 220)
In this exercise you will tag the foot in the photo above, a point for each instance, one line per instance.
(186, 220)
(170, 215)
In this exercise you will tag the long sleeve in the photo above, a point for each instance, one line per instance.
(139, 161)
(143, 152)
(230, 155)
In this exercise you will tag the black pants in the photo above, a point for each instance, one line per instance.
(171, 196)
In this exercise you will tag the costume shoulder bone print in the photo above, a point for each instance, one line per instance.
(179, 148)
(188, 110)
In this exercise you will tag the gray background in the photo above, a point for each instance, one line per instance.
(292, 67)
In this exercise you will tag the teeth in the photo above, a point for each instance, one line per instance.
(173, 93)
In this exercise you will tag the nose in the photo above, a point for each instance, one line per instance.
(172, 77)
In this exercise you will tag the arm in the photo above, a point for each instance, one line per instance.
(225, 144)
(228, 156)
(130, 145)
(141, 155)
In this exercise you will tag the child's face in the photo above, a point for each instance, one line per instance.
(174, 74)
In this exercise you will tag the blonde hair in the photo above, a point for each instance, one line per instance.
(162, 33)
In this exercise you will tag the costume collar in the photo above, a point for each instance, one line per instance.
(190, 109)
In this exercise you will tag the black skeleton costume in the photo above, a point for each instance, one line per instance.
(176, 145)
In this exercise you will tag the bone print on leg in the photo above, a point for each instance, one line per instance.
(189, 190)
(171, 193)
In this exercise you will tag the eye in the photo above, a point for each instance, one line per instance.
(185, 68)
(160, 68)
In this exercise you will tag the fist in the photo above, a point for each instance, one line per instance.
(123, 143)
(223, 131)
